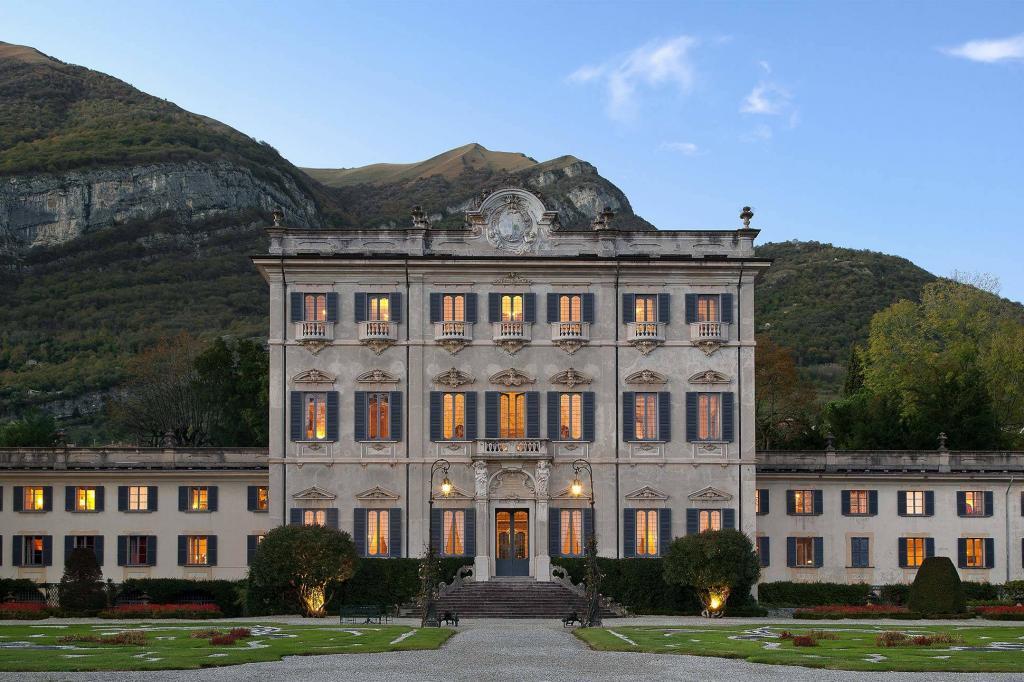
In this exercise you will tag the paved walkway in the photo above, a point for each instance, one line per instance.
(523, 651)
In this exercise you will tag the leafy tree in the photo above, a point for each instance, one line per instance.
(35, 429)
(854, 371)
(430, 578)
(81, 590)
(233, 379)
(306, 564)
(715, 564)
(786, 407)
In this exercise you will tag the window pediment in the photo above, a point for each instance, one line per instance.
(377, 376)
(647, 494)
(454, 378)
(709, 494)
(570, 378)
(377, 494)
(314, 376)
(646, 376)
(511, 377)
(315, 493)
(710, 376)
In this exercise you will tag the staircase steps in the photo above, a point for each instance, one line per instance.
(513, 599)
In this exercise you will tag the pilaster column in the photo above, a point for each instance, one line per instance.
(543, 564)
(482, 561)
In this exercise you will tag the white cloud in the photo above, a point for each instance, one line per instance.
(760, 133)
(654, 65)
(684, 148)
(766, 98)
(990, 51)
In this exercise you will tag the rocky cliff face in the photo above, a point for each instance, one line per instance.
(47, 209)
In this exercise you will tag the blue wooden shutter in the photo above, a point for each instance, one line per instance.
(961, 552)
(691, 416)
(729, 518)
(790, 502)
(663, 308)
(901, 502)
(691, 308)
(359, 306)
(664, 531)
(97, 548)
(295, 417)
(553, 415)
(845, 502)
(122, 498)
(333, 415)
(436, 308)
(19, 498)
(726, 308)
(588, 526)
(819, 505)
(664, 416)
(359, 417)
(331, 518)
(961, 503)
(929, 503)
(435, 415)
(471, 416)
(471, 532)
(182, 498)
(763, 501)
(554, 531)
(100, 495)
(395, 404)
(628, 308)
(395, 532)
(251, 497)
(494, 307)
(251, 543)
(902, 550)
(295, 302)
(929, 547)
(873, 502)
(491, 414)
(862, 555)
(989, 506)
(211, 498)
(791, 552)
(819, 552)
(533, 414)
(552, 307)
(211, 550)
(436, 528)
(182, 550)
(692, 521)
(728, 417)
(764, 550)
(529, 307)
(295, 516)
(69, 498)
(359, 530)
(122, 550)
(16, 542)
(395, 303)
(628, 418)
(589, 421)
(151, 499)
(150, 550)
(47, 498)
(69, 541)
(629, 533)
(990, 553)
(588, 308)
(471, 304)
(332, 306)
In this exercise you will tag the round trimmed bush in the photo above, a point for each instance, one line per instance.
(937, 589)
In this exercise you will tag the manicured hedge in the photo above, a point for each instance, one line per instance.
(22, 589)
(163, 611)
(226, 594)
(789, 594)
(895, 594)
(982, 591)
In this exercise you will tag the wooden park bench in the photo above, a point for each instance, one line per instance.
(368, 614)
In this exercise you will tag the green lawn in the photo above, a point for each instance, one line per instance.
(984, 649)
(169, 645)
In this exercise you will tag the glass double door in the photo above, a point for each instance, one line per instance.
(512, 542)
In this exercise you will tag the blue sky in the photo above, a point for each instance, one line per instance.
(891, 126)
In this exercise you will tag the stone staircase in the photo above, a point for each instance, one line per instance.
(513, 598)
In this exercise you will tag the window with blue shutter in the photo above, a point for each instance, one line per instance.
(568, 308)
(510, 307)
(628, 416)
(533, 414)
(762, 501)
(664, 416)
(859, 502)
(628, 308)
(258, 498)
(491, 413)
(313, 416)
(710, 417)
(708, 308)
(295, 312)
(570, 416)
(764, 550)
(554, 531)
(450, 532)
(359, 530)
(629, 533)
(395, 524)
(663, 308)
(859, 552)
(664, 531)
(804, 552)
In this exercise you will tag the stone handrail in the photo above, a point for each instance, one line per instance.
(465, 574)
(939, 461)
(133, 458)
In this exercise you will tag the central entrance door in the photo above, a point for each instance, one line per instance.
(512, 542)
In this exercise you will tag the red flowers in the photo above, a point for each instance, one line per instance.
(23, 610)
(1015, 612)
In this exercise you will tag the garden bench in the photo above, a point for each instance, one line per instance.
(450, 618)
(570, 619)
(367, 614)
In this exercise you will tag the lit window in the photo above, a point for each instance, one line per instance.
(197, 550)
(315, 307)
(915, 552)
(199, 499)
(378, 307)
(316, 416)
(709, 519)
(647, 533)
(453, 531)
(453, 416)
(571, 525)
(85, 499)
(803, 501)
(805, 551)
(453, 308)
(570, 408)
(378, 416)
(33, 551)
(974, 503)
(645, 308)
(34, 499)
(757, 500)
(975, 552)
(138, 550)
(138, 498)
(858, 502)
(314, 517)
(512, 415)
(645, 416)
(708, 309)
(512, 308)
(377, 533)
(915, 503)
(262, 498)
(709, 416)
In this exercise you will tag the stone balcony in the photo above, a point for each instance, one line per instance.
(645, 336)
(314, 331)
(709, 331)
(570, 336)
(511, 335)
(453, 335)
(534, 448)
(378, 335)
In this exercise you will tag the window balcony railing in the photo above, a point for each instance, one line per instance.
(645, 331)
(512, 447)
(314, 331)
(511, 331)
(453, 331)
(570, 331)
(709, 331)
(376, 330)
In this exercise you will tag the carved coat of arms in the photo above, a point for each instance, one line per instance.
(510, 226)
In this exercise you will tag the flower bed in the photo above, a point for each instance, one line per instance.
(126, 638)
(1001, 612)
(23, 610)
(163, 611)
(842, 611)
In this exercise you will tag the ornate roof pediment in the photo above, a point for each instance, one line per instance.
(453, 377)
(377, 376)
(710, 376)
(709, 494)
(315, 493)
(646, 376)
(647, 493)
(570, 378)
(511, 377)
(376, 493)
(314, 376)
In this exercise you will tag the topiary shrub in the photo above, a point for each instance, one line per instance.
(715, 564)
(785, 593)
(81, 590)
(937, 588)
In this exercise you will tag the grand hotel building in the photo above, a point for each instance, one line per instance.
(496, 358)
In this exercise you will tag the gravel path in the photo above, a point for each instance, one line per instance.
(504, 650)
